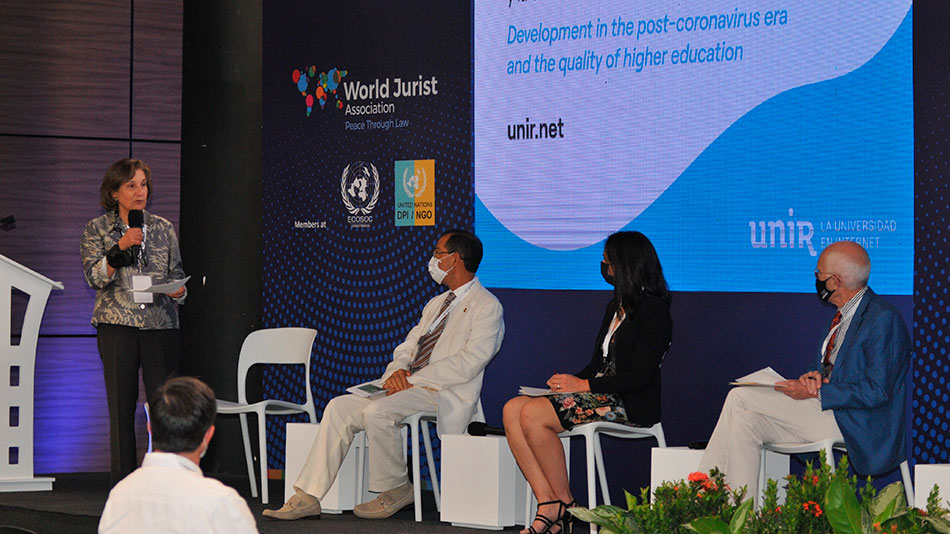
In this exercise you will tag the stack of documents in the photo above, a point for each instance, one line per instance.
(367, 389)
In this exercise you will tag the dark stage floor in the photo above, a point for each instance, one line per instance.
(77, 500)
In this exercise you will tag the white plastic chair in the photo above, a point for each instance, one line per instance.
(829, 446)
(595, 459)
(270, 346)
(413, 422)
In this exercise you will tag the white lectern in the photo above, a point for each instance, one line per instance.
(16, 376)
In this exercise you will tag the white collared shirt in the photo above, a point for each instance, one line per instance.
(460, 293)
(169, 494)
(847, 313)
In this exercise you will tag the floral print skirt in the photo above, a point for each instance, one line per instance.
(579, 408)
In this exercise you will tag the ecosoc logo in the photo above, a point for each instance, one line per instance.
(322, 87)
(415, 192)
(359, 187)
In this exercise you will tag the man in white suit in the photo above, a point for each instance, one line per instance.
(438, 368)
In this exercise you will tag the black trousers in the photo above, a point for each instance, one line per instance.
(123, 349)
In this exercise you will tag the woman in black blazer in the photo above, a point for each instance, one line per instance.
(621, 383)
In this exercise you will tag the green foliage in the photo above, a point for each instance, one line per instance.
(714, 525)
(818, 502)
(844, 511)
(674, 504)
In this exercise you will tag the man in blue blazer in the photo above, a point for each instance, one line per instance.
(854, 392)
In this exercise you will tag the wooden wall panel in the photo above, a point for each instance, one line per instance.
(71, 421)
(65, 67)
(65, 71)
(51, 186)
(156, 70)
(165, 161)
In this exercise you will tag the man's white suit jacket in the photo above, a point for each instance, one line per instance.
(473, 333)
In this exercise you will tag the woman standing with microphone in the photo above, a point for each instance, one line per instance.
(122, 248)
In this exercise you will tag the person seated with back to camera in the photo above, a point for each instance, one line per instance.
(169, 493)
(621, 384)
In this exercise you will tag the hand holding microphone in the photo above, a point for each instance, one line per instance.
(131, 238)
(126, 251)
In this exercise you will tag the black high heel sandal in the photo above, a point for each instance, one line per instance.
(547, 521)
(567, 519)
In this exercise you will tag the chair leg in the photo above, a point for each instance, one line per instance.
(360, 439)
(262, 437)
(757, 498)
(430, 457)
(591, 478)
(908, 483)
(416, 486)
(248, 455)
(660, 436)
(601, 471)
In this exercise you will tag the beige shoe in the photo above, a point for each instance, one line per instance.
(300, 506)
(387, 504)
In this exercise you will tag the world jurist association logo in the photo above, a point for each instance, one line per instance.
(318, 88)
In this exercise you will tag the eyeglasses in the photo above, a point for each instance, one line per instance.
(819, 273)
(436, 253)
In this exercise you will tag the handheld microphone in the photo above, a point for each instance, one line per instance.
(136, 220)
(481, 429)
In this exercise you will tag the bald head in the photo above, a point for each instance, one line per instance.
(849, 261)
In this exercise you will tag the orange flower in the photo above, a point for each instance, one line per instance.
(818, 511)
(877, 527)
(814, 480)
(805, 505)
(676, 488)
(698, 477)
(778, 509)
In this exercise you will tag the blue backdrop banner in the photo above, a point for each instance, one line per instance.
(367, 159)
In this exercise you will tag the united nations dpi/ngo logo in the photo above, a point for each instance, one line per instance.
(359, 187)
(414, 184)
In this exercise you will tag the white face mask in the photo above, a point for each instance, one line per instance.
(435, 271)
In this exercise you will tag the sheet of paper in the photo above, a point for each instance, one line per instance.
(766, 377)
(535, 392)
(167, 287)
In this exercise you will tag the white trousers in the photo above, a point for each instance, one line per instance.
(343, 418)
(752, 416)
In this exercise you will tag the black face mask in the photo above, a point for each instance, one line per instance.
(822, 287)
(604, 272)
